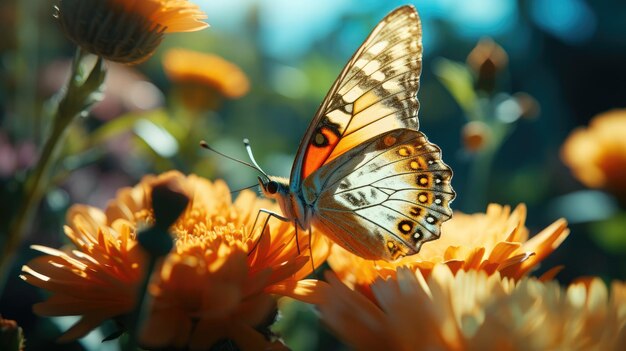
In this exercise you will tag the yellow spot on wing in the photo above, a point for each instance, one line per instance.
(363, 102)
(405, 151)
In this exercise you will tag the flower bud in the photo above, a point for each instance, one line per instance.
(486, 60)
(528, 105)
(168, 201)
(475, 136)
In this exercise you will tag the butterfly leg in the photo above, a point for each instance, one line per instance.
(270, 214)
(297, 242)
(311, 250)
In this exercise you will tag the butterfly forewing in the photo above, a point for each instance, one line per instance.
(385, 197)
(364, 175)
(374, 93)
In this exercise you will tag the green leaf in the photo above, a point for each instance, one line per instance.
(158, 138)
(125, 123)
(457, 79)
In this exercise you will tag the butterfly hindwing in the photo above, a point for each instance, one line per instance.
(374, 93)
(385, 197)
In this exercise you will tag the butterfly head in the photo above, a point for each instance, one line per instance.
(274, 187)
(277, 188)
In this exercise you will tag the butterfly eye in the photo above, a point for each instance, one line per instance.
(272, 187)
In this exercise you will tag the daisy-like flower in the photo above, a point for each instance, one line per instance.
(597, 154)
(476, 311)
(202, 79)
(216, 284)
(126, 31)
(495, 241)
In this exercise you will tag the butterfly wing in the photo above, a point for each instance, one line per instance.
(384, 198)
(374, 93)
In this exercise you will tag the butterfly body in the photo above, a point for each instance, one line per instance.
(363, 174)
(291, 203)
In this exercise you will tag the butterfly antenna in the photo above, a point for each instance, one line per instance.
(255, 167)
(242, 189)
(246, 142)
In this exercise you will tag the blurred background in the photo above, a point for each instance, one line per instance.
(564, 58)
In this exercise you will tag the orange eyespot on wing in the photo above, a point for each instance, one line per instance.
(322, 144)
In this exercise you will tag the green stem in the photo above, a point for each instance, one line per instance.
(478, 180)
(480, 170)
(141, 307)
(78, 97)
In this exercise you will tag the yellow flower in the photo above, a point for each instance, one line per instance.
(217, 282)
(476, 311)
(495, 241)
(200, 76)
(126, 31)
(597, 154)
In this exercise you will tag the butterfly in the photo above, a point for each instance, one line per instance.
(363, 174)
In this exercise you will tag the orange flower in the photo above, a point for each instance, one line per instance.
(126, 31)
(597, 154)
(171, 15)
(496, 241)
(215, 284)
(476, 311)
(199, 75)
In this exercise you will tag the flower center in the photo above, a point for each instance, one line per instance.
(202, 230)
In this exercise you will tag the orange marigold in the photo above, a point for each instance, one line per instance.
(217, 282)
(495, 241)
(597, 154)
(200, 76)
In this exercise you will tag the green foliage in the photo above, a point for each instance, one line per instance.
(610, 234)
(457, 78)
